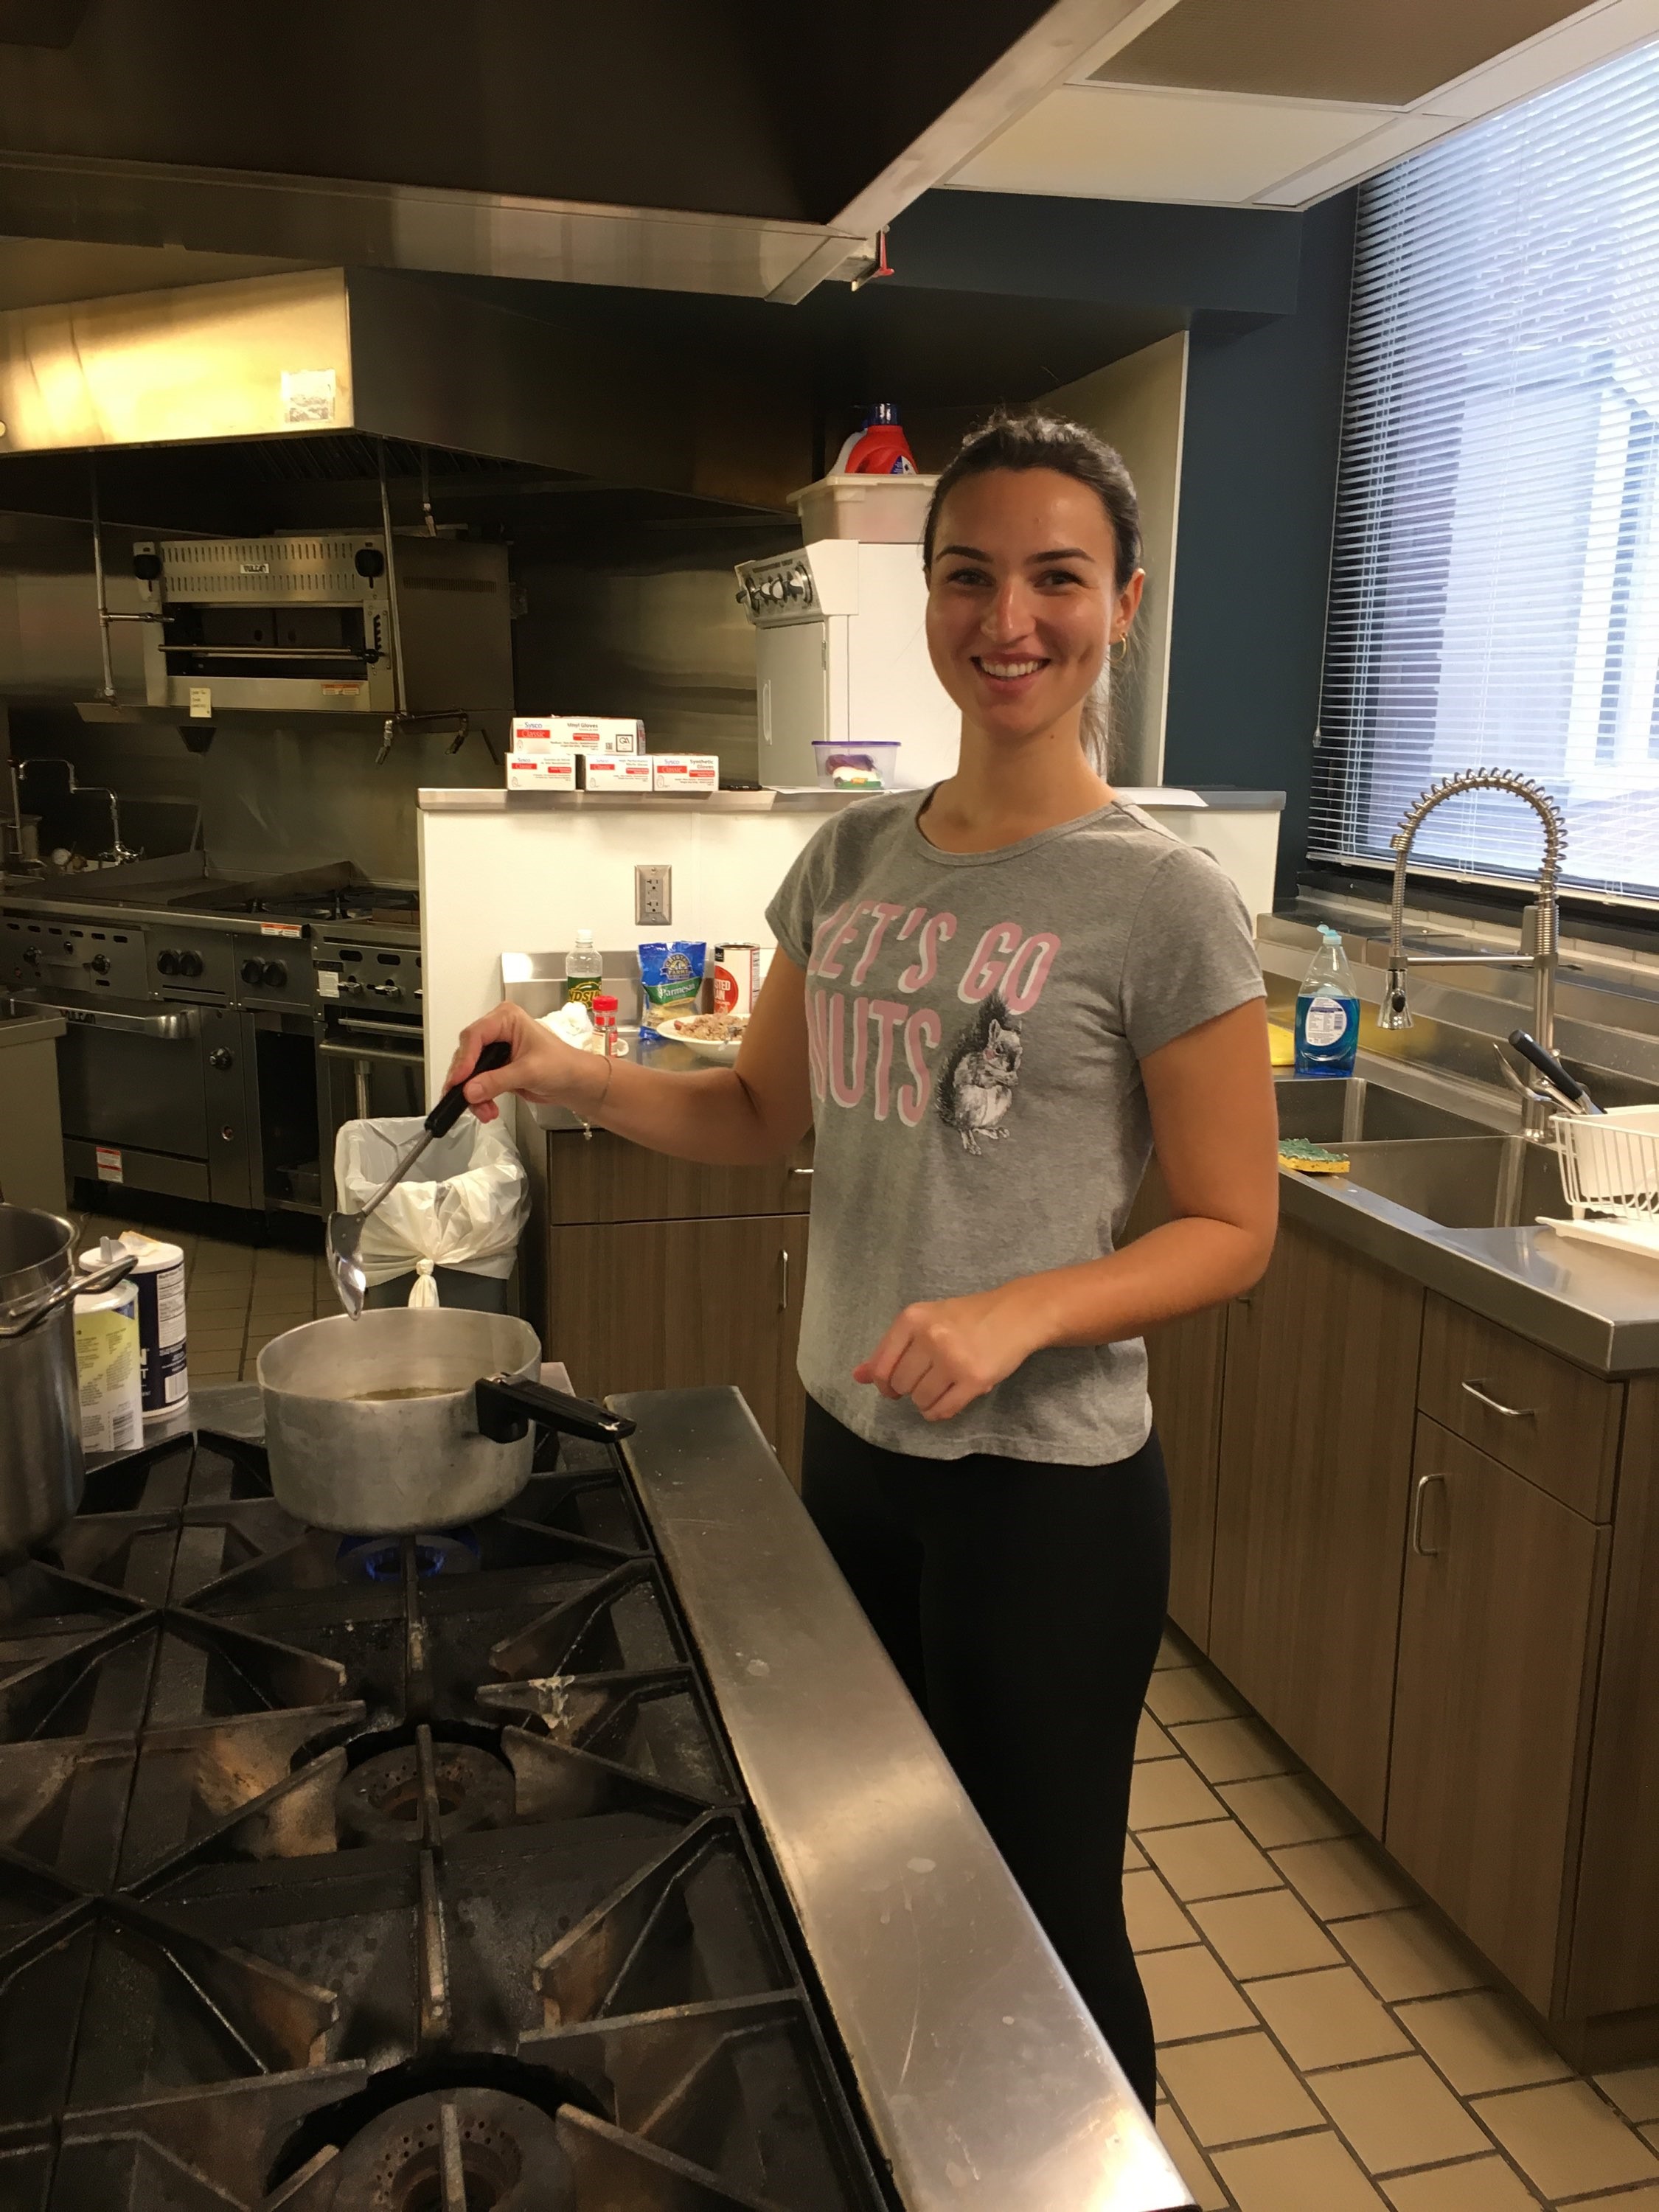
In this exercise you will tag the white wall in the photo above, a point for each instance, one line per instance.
(524, 878)
(1140, 403)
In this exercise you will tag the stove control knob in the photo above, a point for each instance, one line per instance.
(387, 990)
(351, 982)
(273, 975)
(221, 1060)
(99, 963)
(31, 954)
(799, 586)
(167, 963)
(775, 590)
(252, 970)
(189, 963)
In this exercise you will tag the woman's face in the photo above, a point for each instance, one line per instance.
(1022, 599)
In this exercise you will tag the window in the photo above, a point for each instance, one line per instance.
(1495, 577)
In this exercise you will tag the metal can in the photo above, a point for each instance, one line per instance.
(739, 969)
(159, 1279)
(107, 1370)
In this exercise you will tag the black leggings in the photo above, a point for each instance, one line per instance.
(1022, 1603)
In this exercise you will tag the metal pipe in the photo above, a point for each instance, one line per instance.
(108, 691)
(400, 697)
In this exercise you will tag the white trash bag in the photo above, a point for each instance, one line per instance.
(467, 1210)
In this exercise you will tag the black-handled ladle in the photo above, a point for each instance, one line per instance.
(1554, 1074)
(345, 1230)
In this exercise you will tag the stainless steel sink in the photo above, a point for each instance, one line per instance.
(1333, 1109)
(1486, 1182)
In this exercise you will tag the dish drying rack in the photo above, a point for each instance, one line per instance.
(1610, 1175)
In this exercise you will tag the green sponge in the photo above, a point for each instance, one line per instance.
(1309, 1158)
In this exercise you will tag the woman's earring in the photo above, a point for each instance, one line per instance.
(1118, 654)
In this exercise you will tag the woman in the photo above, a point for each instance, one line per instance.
(993, 999)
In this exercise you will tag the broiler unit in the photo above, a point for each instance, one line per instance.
(323, 622)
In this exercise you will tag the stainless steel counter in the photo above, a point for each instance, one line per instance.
(1598, 1309)
(989, 2086)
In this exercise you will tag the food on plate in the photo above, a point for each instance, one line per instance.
(710, 1029)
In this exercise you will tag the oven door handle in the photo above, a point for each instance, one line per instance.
(331, 1051)
(177, 1026)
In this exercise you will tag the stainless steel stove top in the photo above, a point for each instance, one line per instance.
(409, 1874)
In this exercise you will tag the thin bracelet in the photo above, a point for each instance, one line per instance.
(598, 1105)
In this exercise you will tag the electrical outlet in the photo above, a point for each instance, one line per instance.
(654, 894)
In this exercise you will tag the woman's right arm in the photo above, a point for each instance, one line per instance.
(739, 1117)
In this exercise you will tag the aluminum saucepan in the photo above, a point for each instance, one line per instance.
(409, 1418)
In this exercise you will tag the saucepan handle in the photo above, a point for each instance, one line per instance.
(17, 1320)
(505, 1411)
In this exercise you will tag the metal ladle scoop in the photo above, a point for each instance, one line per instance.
(345, 1230)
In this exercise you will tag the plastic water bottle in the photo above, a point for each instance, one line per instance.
(1328, 1012)
(584, 970)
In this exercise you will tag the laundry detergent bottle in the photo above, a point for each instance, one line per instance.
(1327, 1010)
(880, 449)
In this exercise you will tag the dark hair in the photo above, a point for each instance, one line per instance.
(1047, 442)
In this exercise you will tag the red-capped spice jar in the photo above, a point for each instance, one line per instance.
(604, 1022)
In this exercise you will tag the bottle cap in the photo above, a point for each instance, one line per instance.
(602, 1004)
(585, 936)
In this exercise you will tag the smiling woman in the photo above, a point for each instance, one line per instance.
(992, 1002)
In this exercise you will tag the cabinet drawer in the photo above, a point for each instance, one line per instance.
(1532, 1411)
(604, 1178)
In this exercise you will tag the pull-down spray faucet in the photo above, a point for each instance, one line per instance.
(1539, 942)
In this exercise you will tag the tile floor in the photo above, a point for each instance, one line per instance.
(1326, 2043)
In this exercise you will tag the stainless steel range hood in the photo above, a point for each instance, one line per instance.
(364, 349)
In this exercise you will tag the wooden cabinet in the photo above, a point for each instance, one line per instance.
(1183, 1380)
(646, 1274)
(1533, 1412)
(1318, 1404)
(1503, 1592)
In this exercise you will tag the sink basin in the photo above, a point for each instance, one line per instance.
(1486, 1182)
(1332, 1109)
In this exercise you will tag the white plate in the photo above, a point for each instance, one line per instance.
(705, 1047)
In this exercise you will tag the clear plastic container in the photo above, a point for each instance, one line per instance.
(584, 970)
(869, 765)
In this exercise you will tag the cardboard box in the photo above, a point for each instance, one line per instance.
(697, 772)
(616, 772)
(601, 733)
(546, 771)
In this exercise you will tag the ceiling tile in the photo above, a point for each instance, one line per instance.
(1101, 142)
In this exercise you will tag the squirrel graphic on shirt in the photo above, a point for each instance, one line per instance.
(976, 1083)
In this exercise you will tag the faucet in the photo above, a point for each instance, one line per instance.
(1539, 942)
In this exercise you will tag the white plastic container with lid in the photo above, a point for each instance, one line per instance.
(107, 1370)
(880, 510)
(159, 1278)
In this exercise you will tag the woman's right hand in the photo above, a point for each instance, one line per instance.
(543, 1069)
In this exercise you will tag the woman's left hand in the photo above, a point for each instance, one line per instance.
(945, 1353)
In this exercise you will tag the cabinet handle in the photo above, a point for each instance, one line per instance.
(1495, 1405)
(783, 1290)
(800, 1170)
(1417, 1546)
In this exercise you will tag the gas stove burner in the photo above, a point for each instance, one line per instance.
(436, 1552)
(456, 2150)
(379, 1800)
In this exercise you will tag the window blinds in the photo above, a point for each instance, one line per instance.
(1494, 594)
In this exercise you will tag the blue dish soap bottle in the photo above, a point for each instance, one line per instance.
(1328, 1012)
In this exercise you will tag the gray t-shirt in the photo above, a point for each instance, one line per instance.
(975, 1023)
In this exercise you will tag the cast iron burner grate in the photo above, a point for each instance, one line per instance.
(408, 1871)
